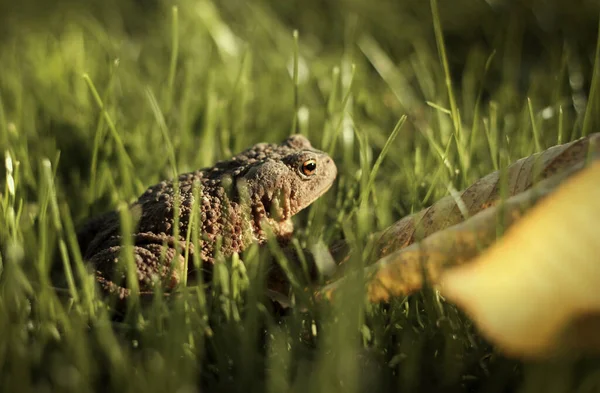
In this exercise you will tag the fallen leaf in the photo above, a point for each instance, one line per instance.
(406, 270)
(485, 193)
(536, 292)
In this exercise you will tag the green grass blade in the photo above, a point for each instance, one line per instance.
(380, 158)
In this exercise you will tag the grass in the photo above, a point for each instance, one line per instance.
(97, 104)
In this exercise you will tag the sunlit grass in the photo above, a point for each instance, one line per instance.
(92, 113)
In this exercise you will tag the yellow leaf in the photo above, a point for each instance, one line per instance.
(537, 290)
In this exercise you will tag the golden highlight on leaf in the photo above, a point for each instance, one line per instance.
(406, 270)
(537, 290)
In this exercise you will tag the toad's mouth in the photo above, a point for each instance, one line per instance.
(318, 194)
(308, 199)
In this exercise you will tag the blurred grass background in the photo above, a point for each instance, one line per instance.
(89, 90)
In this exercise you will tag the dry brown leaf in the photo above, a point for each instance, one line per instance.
(405, 271)
(485, 193)
(537, 290)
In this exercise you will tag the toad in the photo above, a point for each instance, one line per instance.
(263, 186)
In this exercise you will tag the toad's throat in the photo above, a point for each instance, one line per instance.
(271, 210)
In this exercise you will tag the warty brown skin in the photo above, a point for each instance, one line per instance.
(265, 184)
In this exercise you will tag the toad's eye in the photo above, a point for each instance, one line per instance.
(308, 167)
